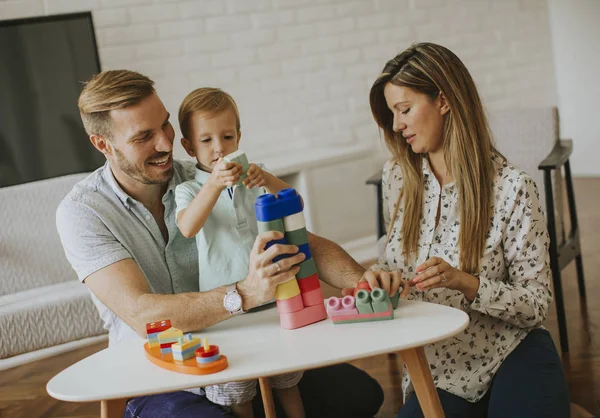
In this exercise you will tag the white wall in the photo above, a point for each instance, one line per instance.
(576, 43)
(301, 69)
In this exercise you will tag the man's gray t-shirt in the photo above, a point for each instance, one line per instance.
(99, 224)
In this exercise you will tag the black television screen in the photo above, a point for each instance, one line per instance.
(43, 62)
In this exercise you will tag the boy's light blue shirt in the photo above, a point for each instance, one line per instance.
(226, 239)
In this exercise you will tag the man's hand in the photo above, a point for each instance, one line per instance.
(225, 174)
(263, 274)
(256, 177)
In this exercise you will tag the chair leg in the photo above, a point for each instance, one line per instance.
(560, 311)
(554, 266)
(580, 281)
(574, 227)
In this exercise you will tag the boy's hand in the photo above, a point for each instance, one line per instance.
(225, 174)
(256, 177)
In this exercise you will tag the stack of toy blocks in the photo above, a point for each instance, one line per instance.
(364, 306)
(239, 157)
(155, 328)
(300, 300)
(167, 338)
(185, 347)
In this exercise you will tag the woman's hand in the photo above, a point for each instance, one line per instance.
(437, 273)
(390, 281)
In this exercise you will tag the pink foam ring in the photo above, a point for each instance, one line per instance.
(348, 302)
(333, 304)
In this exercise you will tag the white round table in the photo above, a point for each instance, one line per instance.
(257, 347)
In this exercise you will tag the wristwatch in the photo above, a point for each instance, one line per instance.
(233, 300)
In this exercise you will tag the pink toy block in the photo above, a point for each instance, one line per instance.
(309, 283)
(338, 307)
(306, 316)
(293, 304)
(313, 297)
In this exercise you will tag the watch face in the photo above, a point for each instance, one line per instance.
(233, 302)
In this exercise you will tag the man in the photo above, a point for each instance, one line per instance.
(119, 233)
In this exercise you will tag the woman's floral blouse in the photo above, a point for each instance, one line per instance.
(514, 290)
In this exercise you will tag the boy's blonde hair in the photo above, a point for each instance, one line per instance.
(110, 90)
(205, 99)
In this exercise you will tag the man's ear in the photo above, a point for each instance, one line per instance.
(101, 144)
(444, 107)
(187, 145)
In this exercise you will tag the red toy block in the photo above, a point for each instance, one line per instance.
(293, 304)
(309, 283)
(158, 326)
(212, 351)
(306, 316)
(312, 298)
(361, 285)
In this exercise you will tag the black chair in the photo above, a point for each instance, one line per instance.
(562, 252)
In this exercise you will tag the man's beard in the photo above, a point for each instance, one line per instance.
(138, 173)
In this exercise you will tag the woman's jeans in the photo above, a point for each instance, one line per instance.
(530, 383)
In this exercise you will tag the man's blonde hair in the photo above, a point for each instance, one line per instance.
(110, 90)
(206, 99)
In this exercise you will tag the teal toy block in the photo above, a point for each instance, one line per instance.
(275, 225)
(380, 300)
(239, 157)
(394, 299)
(297, 237)
(363, 302)
(307, 269)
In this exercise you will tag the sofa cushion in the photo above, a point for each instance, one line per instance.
(31, 254)
(46, 316)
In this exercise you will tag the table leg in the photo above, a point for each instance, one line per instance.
(112, 408)
(267, 397)
(420, 375)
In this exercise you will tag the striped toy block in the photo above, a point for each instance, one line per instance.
(290, 305)
(287, 290)
(185, 347)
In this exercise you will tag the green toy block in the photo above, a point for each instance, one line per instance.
(239, 157)
(307, 269)
(394, 300)
(380, 301)
(363, 302)
(297, 237)
(276, 225)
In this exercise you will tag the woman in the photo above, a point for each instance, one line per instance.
(465, 230)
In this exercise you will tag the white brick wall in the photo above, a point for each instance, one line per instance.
(300, 70)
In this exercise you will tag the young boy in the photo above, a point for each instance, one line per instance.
(221, 216)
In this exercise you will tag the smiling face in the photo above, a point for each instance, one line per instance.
(417, 117)
(212, 136)
(140, 146)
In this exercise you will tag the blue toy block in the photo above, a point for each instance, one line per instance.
(304, 248)
(268, 207)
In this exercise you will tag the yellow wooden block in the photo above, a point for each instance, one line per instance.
(170, 335)
(287, 290)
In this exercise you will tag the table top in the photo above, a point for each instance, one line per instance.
(256, 346)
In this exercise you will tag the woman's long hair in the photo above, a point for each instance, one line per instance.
(467, 145)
